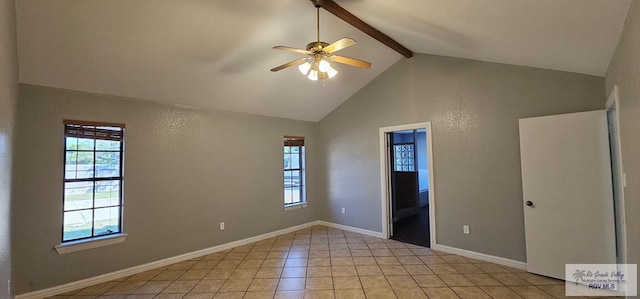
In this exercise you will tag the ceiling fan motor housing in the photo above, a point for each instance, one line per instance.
(316, 47)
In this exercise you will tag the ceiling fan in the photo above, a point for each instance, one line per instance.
(317, 65)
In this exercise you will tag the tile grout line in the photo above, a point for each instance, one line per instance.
(379, 249)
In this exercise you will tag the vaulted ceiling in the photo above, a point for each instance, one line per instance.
(217, 53)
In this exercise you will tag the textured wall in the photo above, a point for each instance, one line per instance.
(8, 97)
(186, 170)
(624, 71)
(474, 108)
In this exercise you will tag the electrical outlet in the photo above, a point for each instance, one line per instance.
(9, 288)
(465, 229)
(344, 211)
(221, 225)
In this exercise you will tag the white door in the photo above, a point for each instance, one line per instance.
(567, 191)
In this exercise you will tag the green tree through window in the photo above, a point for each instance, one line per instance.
(92, 203)
(294, 180)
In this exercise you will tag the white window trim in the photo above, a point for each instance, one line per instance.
(295, 206)
(303, 202)
(86, 244)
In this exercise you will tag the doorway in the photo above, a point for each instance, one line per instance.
(407, 187)
(618, 176)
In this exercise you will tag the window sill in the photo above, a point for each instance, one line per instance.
(90, 243)
(295, 206)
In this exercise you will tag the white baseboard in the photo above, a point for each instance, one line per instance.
(351, 229)
(183, 257)
(481, 256)
(161, 263)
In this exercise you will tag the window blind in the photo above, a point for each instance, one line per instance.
(94, 130)
(293, 141)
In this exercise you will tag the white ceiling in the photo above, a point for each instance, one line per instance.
(217, 53)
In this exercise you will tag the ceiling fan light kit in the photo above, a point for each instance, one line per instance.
(317, 68)
(308, 69)
(318, 65)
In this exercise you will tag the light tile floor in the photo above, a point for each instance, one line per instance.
(321, 262)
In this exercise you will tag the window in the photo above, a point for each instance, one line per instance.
(404, 156)
(93, 160)
(294, 181)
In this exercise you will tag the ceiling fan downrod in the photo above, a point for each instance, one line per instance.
(318, 22)
(317, 4)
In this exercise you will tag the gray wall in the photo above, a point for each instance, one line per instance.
(474, 108)
(186, 170)
(8, 97)
(624, 70)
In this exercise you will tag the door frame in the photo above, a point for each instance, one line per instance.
(385, 190)
(613, 105)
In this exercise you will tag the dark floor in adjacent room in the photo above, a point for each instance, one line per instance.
(413, 229)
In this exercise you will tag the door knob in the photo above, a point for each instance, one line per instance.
(529, 203)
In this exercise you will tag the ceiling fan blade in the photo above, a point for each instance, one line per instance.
(351, 61)
(339, 45)
(289, 64)
(294, 50)
(338, 11)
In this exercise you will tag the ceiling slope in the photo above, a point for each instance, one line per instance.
(217, 54)
(567, 35)
(210, 54)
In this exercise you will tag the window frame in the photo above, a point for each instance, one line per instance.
(291, 142)
(84, 128)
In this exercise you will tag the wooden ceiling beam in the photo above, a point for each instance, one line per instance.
(345, 15)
